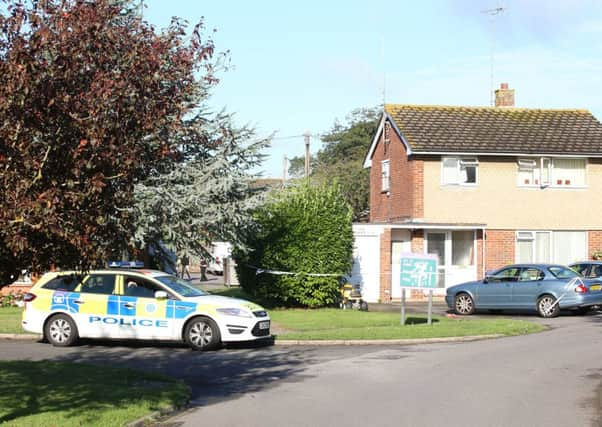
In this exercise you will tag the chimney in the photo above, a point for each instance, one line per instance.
(504, 97)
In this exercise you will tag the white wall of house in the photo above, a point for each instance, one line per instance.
(501, 199)
(366, 260)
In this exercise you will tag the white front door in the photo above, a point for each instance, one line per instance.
(456, 251)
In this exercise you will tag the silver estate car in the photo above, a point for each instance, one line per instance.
(589, 269)
(546, 288)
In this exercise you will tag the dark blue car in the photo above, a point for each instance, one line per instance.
(546, 288)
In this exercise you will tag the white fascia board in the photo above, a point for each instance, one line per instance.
(473, 153)
(450, 227)
(379, 131)
(401, 135)
(419, 226)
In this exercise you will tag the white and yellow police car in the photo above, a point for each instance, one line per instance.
(137, 304)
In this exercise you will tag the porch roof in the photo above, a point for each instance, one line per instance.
(429, 225)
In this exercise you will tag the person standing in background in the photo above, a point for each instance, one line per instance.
(185, 261)
(203, 269)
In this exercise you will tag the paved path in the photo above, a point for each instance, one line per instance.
(549, 379)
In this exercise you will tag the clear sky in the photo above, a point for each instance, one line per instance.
(301, 65)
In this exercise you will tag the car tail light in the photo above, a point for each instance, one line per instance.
(581, 289)
(217, 260)
(29, 297)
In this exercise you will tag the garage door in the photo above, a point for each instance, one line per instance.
(366, 266)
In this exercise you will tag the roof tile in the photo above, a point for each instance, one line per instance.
(429, 128)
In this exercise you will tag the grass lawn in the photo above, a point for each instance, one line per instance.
(336, 324)
(71, 394)
(326, 324)
(10, 320)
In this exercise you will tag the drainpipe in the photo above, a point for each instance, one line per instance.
(483, 252)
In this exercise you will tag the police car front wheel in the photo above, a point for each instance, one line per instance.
(60, 331)
(202, 333)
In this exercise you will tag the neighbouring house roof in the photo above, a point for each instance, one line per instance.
(494, 130)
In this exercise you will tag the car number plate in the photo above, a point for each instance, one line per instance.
(264, 325)
(595, 287)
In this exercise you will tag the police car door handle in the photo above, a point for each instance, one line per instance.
(78, 301)
(129, 305)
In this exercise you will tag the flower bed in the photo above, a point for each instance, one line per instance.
(12, 296)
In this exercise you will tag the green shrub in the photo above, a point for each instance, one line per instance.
(305, 231)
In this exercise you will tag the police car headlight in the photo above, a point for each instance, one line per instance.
(237, 312)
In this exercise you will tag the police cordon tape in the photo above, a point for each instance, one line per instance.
(259, 271)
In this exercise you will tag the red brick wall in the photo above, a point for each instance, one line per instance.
(404, 199)
(417, 170)
(594, 243)
(385, 266)
(499, 248)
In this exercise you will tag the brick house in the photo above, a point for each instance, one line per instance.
(480, 187)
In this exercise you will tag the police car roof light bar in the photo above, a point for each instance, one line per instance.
(126, 264)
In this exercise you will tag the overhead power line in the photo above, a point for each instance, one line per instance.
(301, 135)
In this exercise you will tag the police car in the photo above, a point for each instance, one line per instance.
(137, 304)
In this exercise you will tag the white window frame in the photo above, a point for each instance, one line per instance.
(553, 179)
(528, 235)
(446, 269)
(385, 176)
(449, 247)
(460, 161)
(546, 164)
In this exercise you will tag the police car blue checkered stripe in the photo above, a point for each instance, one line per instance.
(65, 301)
(179, 309)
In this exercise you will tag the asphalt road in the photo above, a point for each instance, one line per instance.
(552, 378)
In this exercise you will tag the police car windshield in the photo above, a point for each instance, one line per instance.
(180, 286)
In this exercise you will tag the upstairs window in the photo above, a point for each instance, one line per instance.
(529, 172)
(543, 172)
(385, 175)
(568, 173)
(459, 171)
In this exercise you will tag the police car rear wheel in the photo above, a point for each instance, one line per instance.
(60, 331)
(202, 333)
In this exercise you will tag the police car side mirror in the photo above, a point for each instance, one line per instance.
(161, 295)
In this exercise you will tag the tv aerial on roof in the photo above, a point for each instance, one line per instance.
(493, 13)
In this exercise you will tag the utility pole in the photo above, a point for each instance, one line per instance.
(307, 135)
(284, 169)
